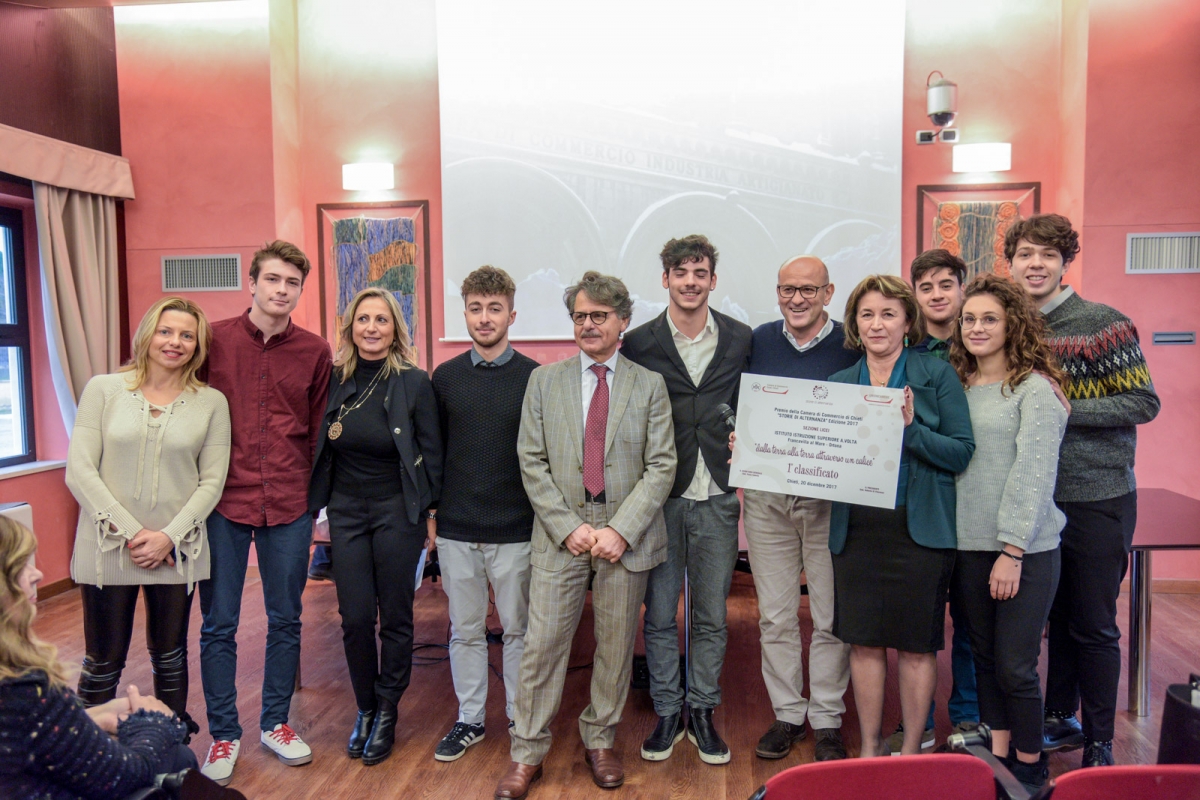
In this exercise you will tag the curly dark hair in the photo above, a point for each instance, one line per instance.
(1024, 335)
(1048, 230)
(488, 281)
(695, 247)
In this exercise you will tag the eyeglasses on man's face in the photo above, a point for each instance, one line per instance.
(597, 317)
(987, 322)
(807, 292)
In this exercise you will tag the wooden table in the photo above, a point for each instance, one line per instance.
(1166, 521)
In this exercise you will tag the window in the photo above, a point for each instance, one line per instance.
(16, 384)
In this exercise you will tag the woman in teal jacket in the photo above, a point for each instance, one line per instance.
(892, 567)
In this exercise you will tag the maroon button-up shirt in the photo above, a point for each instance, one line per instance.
(276, 392)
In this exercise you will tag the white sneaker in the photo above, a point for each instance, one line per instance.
(218, 766)
(290, 748)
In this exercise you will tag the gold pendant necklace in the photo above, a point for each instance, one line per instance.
(335, 430)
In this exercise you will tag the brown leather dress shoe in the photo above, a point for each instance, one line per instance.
(516, 782)
(607, 771)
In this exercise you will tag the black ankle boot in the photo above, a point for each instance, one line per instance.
(383, 736)
(360, 734)
(1032, 776)
(701, 732)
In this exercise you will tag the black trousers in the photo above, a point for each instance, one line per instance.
(1006, 640)
(375, 555)
(1085, 650)
(108, 628)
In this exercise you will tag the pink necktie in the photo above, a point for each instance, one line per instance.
(593, 435)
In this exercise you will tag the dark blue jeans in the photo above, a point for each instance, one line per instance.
(320, 558)
(283, 568)
(177, 758)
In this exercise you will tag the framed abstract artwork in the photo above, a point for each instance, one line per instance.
(970, 220)
(376, 244)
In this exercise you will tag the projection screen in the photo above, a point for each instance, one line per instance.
(584, 136)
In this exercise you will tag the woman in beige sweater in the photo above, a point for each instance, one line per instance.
(147, 464)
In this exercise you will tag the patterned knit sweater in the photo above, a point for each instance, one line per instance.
(1110, 393)
(51, 750)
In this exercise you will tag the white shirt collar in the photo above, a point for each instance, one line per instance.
(710, 327)
(586, 361)
(1058, 300)
(826, 329)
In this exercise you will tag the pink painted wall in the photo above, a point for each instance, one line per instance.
(1006, 57)
(238, 129)
(54, 509)
(366, 93)
(1143, 126)
(196, 126)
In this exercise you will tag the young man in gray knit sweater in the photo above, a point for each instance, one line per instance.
(1111, 394)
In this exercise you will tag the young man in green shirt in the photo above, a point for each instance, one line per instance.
(937, 278)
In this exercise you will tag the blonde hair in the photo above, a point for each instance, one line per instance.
(139, 362)
(20, 651)
(893, 288)
(401, 355)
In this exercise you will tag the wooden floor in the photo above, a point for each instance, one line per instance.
(323, 710)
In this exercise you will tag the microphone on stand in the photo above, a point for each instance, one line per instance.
(728, 418)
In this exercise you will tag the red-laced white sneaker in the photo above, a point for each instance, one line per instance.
(286, 744)
(222, 756)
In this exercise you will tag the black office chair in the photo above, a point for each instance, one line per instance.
(186, 785)
(979, 744)
(1179, 736)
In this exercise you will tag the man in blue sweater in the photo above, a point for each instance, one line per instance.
(788, 534)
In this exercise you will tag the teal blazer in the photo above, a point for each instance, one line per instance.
(939, 444)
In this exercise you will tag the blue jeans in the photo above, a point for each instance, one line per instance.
(702, 537)
(283, 568)
(320, 558)
(176, 758)
(964, 704)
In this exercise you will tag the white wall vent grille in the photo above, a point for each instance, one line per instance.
(1158, 253)
(215, 273)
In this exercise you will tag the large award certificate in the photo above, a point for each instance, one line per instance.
(832, 441)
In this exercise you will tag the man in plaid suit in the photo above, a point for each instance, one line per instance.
(597, 451)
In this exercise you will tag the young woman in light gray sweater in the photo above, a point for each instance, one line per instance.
(147, 463)
(1008, 525)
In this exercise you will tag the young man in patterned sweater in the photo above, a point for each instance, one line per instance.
(1111, 394)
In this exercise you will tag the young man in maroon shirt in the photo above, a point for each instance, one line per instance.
(275, 376)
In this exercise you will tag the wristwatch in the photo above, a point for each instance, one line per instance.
(431, 514)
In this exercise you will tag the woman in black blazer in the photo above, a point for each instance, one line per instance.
(378, 468)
